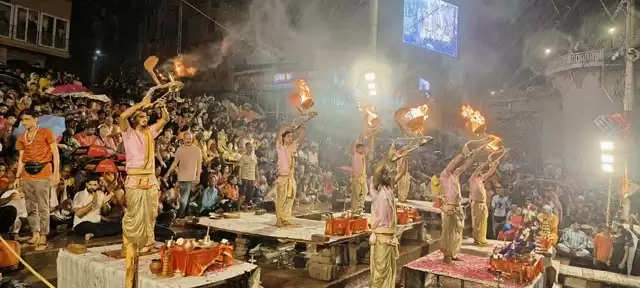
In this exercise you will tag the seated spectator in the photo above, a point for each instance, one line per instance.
(209, 196)
(87, 205)
(88, 137)
(230, 195)
(8, 213)
(515, 217)
(508, 234)
(602, 249)
(574, 242)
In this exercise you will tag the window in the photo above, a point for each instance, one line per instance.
(21, 24)
(32, 27)
(62, 31)
(5, 19)
(46, 30)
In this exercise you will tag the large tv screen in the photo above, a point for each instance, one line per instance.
(432, 25)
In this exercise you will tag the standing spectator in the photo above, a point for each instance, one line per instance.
(248, 163)
(37, 148)
(188, 161)
(500, 203)
(574, 242)
(622, 243)
(602, 249)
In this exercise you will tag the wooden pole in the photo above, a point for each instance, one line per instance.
(608, 213)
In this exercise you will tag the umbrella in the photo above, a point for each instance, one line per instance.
(68, 89)
(54, 123)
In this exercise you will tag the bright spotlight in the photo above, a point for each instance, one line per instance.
(370, 76)
(612, 30)
(547, 51)
(493, 92)
(98, 52)
(607, 158)
(373, 92)
(371, 86)
(608, 168)
(606, 146)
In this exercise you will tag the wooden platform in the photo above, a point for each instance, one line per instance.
(470, 271)
(349, 276)
(94, 269)
(264, 225)
(598, 276)
(469, 248)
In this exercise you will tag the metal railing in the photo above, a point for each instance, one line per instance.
(594, 58)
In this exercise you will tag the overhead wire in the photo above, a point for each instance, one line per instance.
(228, 30)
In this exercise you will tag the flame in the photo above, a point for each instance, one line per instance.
(495, 144)
(474, 118)
(417, 112)
(181, 69)
(412, 120)
(304, 92)
(370, 116)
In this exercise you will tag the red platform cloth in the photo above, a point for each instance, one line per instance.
(471, 268)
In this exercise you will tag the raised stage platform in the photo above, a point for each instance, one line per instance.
(96, 270)
(470, 271)
(250, 224)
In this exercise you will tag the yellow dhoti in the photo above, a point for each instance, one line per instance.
(285, 195)
(138, 225)
(359, 193)
(479, 215)
(384, 254)
(452, 225)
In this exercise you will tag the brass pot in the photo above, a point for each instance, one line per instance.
(155, 266)
(189, 244)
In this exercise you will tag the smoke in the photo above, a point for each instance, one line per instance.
(298, 31)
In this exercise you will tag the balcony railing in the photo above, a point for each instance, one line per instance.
(594, 58)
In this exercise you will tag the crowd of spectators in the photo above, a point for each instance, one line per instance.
(215, 155)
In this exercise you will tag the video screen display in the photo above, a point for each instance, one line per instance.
(431, 25)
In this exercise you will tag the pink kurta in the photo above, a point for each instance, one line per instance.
(284, 158)
(382, 208)
(450, 188)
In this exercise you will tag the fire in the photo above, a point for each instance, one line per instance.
(418, 112)
(495, 144)
(304, 92)
(181, 69)
(412, 120)
(473, 117)
(370, 116)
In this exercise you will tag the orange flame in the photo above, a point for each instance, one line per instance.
(495, 144)
(181, 69)
(412, 120)
(417, 112)
(370, 116)
(474, 118)
(304, 92)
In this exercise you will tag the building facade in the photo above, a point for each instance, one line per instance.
(33, 31)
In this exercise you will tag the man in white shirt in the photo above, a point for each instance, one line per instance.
(87, 204)
(189, 166)
(500, 205)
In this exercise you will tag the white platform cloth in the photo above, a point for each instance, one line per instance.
(95, 270)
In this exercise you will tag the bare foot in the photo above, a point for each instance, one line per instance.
(88, 236)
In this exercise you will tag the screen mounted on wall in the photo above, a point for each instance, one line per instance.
(431, 25)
